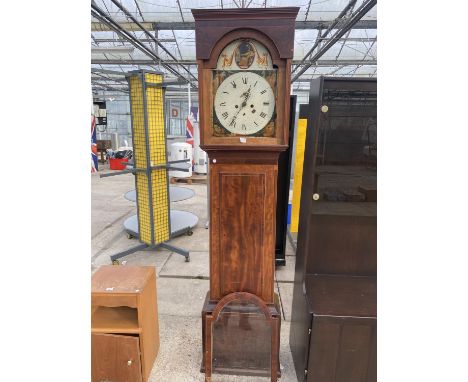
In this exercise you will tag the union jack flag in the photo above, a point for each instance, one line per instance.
(94, 158)
(189, 131)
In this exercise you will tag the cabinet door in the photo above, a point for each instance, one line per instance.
(343, 350)
(338, 218)
(115, 358)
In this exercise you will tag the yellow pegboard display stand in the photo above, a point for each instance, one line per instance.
(298, 169)
(150, 165)
(149, 150)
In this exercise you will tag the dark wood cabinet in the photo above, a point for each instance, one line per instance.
(334, 316)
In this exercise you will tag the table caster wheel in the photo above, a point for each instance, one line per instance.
(115, 262)
(129, 236)
(187, 259)
(190, 233)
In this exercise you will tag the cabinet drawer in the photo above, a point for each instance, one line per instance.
(112, 300)
(115, 358)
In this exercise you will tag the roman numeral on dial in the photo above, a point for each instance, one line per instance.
(262, 114)
(225, 115)
(244, 80)
(222, 104)
(263, 91)
(233, 84)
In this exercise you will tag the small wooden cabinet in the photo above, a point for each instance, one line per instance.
(124, 323)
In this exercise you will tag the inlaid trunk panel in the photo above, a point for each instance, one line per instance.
(242, 229)
(242, 214)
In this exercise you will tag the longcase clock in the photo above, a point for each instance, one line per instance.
(244, 61)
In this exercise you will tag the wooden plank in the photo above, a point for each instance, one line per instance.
(352, 296)
(354, 353)
(372, 362)
(342, 349)
(342, 244)
(114, 299)
(324, 349)
(148, 321)
(128, 279)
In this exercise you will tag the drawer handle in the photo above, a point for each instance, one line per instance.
(129, 362)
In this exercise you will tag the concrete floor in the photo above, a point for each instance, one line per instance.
(181, 286)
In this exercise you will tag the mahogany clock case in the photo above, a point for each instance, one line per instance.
(243, 168)
(243, 172)
(334, 315)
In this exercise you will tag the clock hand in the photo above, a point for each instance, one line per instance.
(243, 104)
(248, 95)
(234, 118)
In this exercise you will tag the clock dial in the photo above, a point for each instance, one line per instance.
(244, 103)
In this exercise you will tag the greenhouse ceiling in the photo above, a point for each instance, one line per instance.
(333, 38)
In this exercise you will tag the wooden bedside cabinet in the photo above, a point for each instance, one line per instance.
(124, 323)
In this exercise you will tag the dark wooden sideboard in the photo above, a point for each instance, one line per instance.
(334, 316)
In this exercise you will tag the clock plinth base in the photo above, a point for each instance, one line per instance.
(243, 342)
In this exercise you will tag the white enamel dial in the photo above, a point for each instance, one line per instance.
(244, 103)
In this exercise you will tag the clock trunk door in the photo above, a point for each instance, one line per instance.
(243, 229)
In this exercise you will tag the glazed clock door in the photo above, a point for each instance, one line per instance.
(245, 91)
(244, 103)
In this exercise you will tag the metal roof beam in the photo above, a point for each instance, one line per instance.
(180, 10)
(99, 40)
(177, 25)
(106, 71)
(107, 87)
(350, 39)
(99, 14)
(128, 14)
(307, 12)
(100, 77)
(193, 62)
(334, 24)
(365, 7)
(139, 10)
